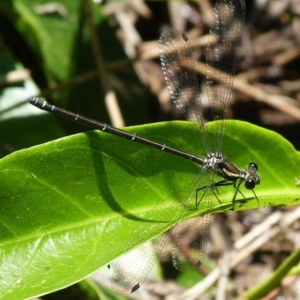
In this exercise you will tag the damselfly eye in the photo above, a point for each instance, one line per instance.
(253, 165)
(250, 184)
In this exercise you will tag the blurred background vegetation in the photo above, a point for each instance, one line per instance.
(101, 59)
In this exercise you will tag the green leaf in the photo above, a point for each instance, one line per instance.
(52, 32)
(69, 206)
(52, 36)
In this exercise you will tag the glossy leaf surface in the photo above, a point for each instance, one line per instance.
(69, 206)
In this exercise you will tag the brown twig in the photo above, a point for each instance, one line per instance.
(103, 76)
(245, 246)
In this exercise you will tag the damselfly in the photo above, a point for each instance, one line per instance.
(179, 71)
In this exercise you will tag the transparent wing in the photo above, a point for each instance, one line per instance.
(190, 238)
(131, 270)
(178, 67)
(222, 52)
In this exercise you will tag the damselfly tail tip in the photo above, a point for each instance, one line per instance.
(33, 100)
(37, 102)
